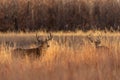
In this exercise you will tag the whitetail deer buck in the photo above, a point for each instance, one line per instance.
(97, 43)
(103, 52)
(42, 45)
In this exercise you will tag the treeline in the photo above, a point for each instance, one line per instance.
(55, 15)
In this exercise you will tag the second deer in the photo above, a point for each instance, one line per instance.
(97, 43)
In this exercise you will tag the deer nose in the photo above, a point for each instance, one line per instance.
(48, 46)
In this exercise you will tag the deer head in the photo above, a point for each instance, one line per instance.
(43, 43)
(96, 41)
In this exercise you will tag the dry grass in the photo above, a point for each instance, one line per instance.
(64, 60)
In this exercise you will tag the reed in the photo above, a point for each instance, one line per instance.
(65, 59)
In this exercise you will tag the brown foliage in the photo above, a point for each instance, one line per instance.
(60, 15)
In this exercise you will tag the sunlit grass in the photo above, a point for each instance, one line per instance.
(63, 61)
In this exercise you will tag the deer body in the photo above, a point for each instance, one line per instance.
(102, 49)
(99, 48)
(103, 53)
(37, 51)
(29, 52)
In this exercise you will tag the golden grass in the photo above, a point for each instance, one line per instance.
(63, 61)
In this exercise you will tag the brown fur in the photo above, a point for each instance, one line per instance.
(37, 51)
(29, 52)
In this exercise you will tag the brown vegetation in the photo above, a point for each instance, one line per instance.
(27, 15)
(66, 59)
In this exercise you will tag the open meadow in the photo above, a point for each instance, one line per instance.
(59, 39)
(71, 56)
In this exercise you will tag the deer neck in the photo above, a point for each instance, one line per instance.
(97, 45)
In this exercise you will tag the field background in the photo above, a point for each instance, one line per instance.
(70, 57)
(59, 15)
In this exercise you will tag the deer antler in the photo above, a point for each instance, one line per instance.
(99, 38)
(90, 38)
(49, 37)
(38, 38)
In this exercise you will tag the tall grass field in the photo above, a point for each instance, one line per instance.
(71, 56)
(59, 39)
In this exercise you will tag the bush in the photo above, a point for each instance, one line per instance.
(54, 15)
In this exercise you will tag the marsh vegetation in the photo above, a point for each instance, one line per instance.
(71, 56)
